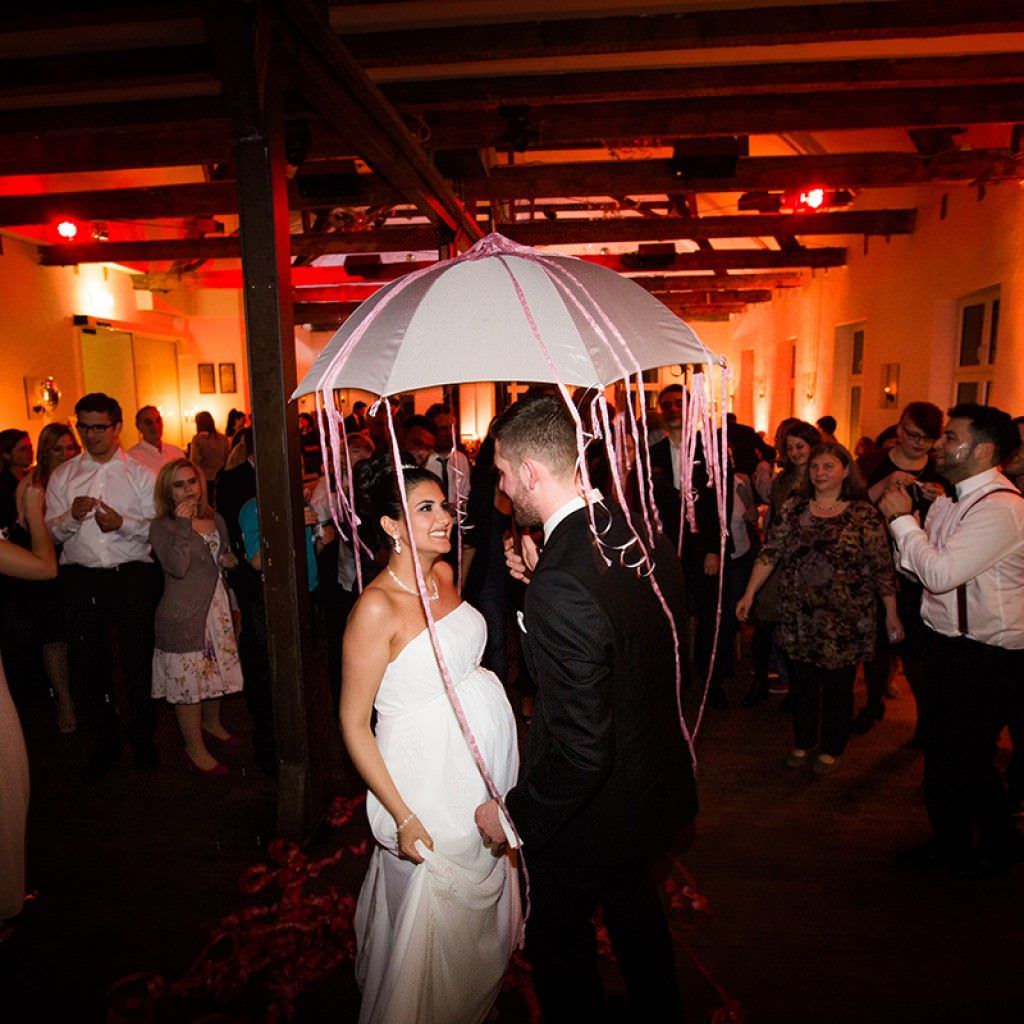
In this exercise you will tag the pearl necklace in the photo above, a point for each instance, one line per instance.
(409, 590)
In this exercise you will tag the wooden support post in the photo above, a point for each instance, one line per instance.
(301, 704)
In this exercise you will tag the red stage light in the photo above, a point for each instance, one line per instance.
(812, 198)
(68, 230)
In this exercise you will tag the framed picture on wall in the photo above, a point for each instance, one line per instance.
(227, 378)
(207, 379)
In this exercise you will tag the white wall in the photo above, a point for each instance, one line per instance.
(905, 290)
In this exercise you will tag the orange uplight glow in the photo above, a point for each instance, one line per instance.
(67, 229)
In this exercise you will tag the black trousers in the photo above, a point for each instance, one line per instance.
(562, 947)
(109, 615)
(911, 653)
(976, 689)
(822, 701)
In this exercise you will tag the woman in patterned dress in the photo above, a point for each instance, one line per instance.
(833, 554)
(195, 660)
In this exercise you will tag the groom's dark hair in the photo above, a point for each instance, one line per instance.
(541, 428)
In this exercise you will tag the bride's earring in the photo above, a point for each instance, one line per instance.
(398, 545)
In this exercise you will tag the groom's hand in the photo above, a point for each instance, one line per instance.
(489, 826)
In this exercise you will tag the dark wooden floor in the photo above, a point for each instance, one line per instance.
(810, 917)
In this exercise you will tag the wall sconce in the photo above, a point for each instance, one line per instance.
(42, 396)
(809, 381)
(890, 385)
(760, 386)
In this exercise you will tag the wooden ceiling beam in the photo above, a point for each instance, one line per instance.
(722, 260)
(641, 229)
(710, 296)
(338, 87)
(840, 170)
(88, 72)
(644, 84)
(708, 282)
(209, 199)
(691, 30)
(216, 248)
(203, 199)
(314, 191)
(706, 309)
(124, 114)
(330, 315)
(159, 146)
(323, 312)
(663, 121)
(538, 233)
(415, 239)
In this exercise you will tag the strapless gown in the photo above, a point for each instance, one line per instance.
(13, 805)
(434, 938)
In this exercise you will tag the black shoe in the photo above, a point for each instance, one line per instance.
(865, 720)
(147, 757)
(103, 758)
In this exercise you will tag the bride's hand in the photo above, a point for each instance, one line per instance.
(413, 833)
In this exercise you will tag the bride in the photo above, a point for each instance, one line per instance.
(438, 915)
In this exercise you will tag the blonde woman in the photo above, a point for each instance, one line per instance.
(195, 659)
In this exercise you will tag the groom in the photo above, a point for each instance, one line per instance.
(606, 782)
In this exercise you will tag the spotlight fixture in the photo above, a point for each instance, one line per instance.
(67, 230)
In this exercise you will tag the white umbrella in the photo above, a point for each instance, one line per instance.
(469, 319)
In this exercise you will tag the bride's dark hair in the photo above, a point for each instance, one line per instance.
(376, 490)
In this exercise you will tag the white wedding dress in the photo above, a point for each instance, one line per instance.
(13, 805)
(434, 939)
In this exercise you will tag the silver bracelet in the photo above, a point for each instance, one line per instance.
(404, 823)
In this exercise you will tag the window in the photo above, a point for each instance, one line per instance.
(976, 346)
(848, 379)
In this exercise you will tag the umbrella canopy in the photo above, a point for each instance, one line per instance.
(478, 317)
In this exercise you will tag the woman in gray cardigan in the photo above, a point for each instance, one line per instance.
(195, 660)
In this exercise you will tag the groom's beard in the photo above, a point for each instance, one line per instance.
(524, 513)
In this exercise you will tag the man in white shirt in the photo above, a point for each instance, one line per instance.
(152, 451)
(99, 506)
(450, 465)
(970, 558)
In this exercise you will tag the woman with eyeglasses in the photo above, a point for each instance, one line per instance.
(908, 462)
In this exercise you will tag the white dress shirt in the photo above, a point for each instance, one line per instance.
(152, 457)
(972, 541)
(563, 513)
(124, 485)
(457, 472)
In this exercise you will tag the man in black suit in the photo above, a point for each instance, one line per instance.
(606, 783)
(701, 549)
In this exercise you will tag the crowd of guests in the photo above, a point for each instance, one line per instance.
(836, 559)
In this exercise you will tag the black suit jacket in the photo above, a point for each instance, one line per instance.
(606, 776)
(707, 538)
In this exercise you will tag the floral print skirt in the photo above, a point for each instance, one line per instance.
(193, 676)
